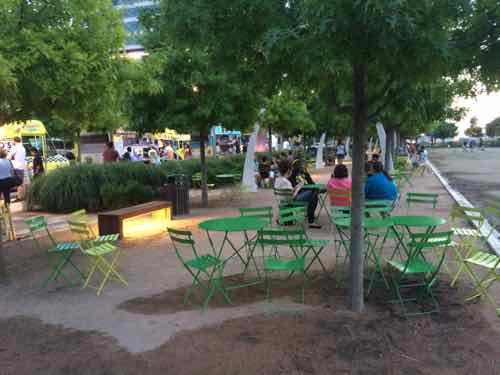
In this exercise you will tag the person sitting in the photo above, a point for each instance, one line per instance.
(379, 185)
(300, 176)
(339, 186)
(128, 154)
(264, 172)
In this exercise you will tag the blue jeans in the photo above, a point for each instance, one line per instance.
(311, 197)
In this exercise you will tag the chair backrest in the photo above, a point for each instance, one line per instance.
(38, 227)
(425, 242)
(283, 194)
(292, 216)
(80, 215)
(340, 197)
(383, 207)
(82, 231)
(290, 238)
(259, 212)
(339, 212)
(180, 239)
(473, 215)
(422, 198)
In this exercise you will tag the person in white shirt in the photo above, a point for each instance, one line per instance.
(18, 157)
(283, 182)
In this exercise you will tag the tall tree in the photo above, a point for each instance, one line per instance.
(360, 56)
(63, 56)
(493, 128)
(184, 92)
(474, 131)
(444, 130)
(287, 115)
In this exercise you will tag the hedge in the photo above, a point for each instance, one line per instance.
(104, 186)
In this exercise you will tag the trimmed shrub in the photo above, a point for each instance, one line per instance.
(98, 186)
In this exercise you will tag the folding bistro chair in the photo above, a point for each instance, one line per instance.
(64, 251)
(82, 217)
(419, 265)
(284, 198)
(103, 256)
(292, 216)
(468, 238)
(265, 213)
(197, 265)
(278, 239)
(429, 199)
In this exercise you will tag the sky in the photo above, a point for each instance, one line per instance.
(485, 107)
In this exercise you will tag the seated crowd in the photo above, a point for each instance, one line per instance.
(295, 177)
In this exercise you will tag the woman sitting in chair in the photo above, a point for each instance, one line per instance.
(379, 185)
(288, 179)
(339, 186)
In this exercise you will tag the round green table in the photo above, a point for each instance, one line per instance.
(231, 225)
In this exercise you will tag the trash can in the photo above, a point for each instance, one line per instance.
(177, 189)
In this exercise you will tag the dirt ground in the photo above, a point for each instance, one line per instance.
(325, 340)
(145, 328)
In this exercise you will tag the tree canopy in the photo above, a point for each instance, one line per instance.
(62, 58)
(444, 130)
(493, 128)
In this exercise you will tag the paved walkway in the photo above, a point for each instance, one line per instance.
(151, 267)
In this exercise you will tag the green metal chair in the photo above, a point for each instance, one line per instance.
(198, 265)
(279, 240)
(429, 199)
(292, 216)
(419, 265)
(64, 251)
(265, 213)
(468, 238)
(103, 256)
(284, 198)
(82, 217)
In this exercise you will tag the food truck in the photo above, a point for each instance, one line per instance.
(33, 135)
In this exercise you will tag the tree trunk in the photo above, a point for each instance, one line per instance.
(204, 172)
(270, 139)
(360, 124)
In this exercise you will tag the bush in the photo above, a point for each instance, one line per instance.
(98, 186)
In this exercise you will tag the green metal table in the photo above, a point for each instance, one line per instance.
(374, 250)
(322, 195)
(228, 225)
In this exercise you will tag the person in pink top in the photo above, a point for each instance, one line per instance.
(339, 186)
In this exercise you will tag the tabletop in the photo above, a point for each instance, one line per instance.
(233, 224)
(418, 221)
(315, 186)
(368, 223)
(227, 175)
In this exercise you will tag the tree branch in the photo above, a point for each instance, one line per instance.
(385, 90)
(335, 103)
(389, 100)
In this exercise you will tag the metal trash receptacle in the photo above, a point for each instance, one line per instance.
(177, 189)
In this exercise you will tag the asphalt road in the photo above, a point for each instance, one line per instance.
(475, 174)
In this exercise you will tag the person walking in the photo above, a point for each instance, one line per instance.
(340, 151)
(110, 154)
(18, 157)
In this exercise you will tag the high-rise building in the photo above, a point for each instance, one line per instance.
(131, 10)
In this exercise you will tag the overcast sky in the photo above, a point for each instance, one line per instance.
(485, 107)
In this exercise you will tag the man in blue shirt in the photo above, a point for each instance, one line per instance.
(379, 184)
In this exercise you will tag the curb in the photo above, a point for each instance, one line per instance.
(493, 240)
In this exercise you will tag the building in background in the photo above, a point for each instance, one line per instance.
(131, 10)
